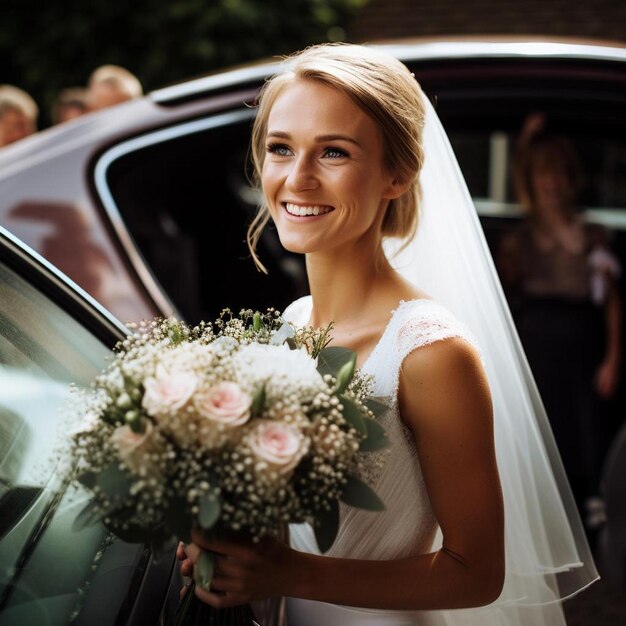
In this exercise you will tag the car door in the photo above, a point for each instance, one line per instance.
(52, 335)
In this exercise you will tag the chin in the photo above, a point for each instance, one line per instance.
(297, 245)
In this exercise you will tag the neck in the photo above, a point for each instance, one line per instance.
(345, 282)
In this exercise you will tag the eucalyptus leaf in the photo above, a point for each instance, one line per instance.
(257, 322)
(376, 437)
(361, 496)
(90, 515)
(87, 479)
(327, 526)
(376, 407)
(113, 481)
(258, 402)
(331, 360)
(345, 374)
(353, 415)
(204, 570)
(210, 509)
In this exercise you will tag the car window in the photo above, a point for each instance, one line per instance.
(45, 565)
(186, 201)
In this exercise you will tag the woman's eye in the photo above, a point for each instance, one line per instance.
(335, 153)
(279, 149)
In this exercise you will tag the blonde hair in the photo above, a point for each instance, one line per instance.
(118, 77)
(15, 99)
(385, 89)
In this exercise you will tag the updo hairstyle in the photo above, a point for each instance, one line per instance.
(382, 87)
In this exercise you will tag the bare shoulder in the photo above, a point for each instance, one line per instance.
(444, 381)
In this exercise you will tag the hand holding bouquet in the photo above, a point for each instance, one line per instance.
(243, 425)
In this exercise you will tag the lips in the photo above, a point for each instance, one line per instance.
(298, 210)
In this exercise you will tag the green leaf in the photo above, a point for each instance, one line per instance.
(257, 322)
(209, 513)
(327, 526)
(345, 374)
(90, 515)
(361, 496)
(376, 407)
(331, 360)
(290, 341)
(376, 437)
(258, 402)
(113, 481)
(204, 569)
(353, 415)
(87, 479)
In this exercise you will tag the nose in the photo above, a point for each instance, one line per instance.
(302, 175)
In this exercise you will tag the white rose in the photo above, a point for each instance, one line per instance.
(136, 450)
(277, 445)
(167, 393)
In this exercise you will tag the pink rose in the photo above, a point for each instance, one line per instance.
(167, 393)
(137, 450)
(277, 445)
(225, 403)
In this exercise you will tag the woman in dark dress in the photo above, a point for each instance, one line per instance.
(560, 276)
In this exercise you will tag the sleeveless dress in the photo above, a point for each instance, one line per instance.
(408, 525)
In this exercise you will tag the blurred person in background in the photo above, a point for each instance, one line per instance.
(18, 115)
(69, 104)
(110, 85)
(561, 279)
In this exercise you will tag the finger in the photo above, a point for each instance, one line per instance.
(217, 600)
(229, 567)
(181, 555)
(238, 548)
(184, 589)
(186, 567)
(193, 552)
(226, 584)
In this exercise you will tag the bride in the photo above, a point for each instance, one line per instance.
(479, 526)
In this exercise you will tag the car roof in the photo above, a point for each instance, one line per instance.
(159, 106)
(412, 50)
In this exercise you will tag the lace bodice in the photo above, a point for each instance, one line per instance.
(408, 525)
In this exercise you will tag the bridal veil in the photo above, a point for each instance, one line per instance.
(547, 555)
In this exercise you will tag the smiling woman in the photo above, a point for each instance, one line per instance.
(328, 159)
(338, 147)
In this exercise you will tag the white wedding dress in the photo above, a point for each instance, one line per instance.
(408, 525)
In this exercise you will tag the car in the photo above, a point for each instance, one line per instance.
(53, 334)
(145, 205)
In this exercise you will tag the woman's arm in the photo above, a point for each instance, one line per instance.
(445, 401)
(607, 375)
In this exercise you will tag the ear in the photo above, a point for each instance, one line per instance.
(397, 186)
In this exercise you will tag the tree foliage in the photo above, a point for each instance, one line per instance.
(48, 46)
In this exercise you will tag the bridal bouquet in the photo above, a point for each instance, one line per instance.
(244, 424)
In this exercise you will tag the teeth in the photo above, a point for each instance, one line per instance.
(301, 211)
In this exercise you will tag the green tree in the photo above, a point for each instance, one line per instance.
(48, 46)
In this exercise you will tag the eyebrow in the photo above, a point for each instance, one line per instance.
(319, 138)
